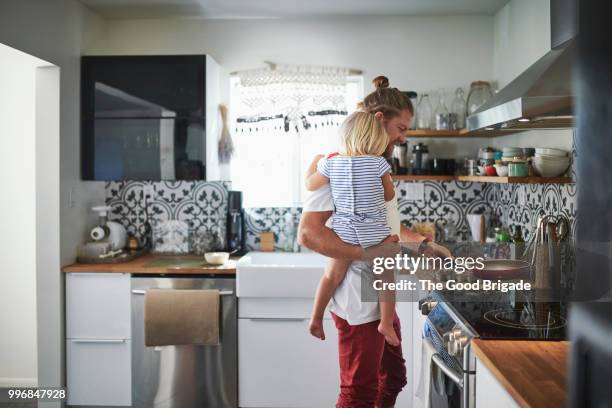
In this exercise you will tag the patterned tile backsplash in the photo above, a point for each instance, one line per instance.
(202, 206)
(142, 206)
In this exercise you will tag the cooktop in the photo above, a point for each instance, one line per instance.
(508, 318)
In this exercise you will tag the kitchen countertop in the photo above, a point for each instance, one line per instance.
(533, 372)
(150, 263)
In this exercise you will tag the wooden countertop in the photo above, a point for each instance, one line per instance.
(155, 264)
(533, 372)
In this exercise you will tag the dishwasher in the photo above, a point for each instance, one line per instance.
(185, 376)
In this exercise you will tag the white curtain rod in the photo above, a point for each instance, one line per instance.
(273, 65)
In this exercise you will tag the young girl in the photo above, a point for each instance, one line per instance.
(360, 184)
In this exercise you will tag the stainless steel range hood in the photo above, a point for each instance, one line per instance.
(541, 97)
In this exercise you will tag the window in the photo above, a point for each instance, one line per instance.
(269, 161)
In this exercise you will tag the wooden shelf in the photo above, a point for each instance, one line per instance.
(487, 179)
(459, 133)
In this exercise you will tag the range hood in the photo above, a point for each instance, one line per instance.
(541, 97)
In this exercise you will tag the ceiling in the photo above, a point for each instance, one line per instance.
(288, 8)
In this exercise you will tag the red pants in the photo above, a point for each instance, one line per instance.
(372, 372)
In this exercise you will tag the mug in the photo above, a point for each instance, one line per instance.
(518, 170)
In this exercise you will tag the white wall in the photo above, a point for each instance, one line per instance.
(55, 31)
(18, 353)
(522, 36)
(418, 53)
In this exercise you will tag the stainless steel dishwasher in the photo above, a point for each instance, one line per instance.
(185, 376)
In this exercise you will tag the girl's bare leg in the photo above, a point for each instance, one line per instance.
(334, 274)
(387, 310)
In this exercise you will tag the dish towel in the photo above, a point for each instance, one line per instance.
(181, 316)
(423, 390)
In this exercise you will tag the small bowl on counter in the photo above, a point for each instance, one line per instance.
(216, 258)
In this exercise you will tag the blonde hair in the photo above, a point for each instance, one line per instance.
(363, 134)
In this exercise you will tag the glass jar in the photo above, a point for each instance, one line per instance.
(413, 99)
(480, 92)
(458, 108)
(441, 113)
(424, 112)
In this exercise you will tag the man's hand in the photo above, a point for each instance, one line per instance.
(432, 249)
(316, 328)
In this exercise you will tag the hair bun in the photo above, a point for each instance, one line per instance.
(381, 82)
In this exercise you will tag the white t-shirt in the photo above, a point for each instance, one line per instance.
(346, 302)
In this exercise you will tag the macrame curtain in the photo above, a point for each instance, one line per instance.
(291, 98)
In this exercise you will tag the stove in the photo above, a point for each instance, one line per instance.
(506, 318)
(454, 319)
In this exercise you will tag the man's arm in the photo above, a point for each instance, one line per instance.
(314, 235)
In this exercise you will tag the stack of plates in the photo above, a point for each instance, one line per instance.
(512, 151)
(549, 162)
(509, 153)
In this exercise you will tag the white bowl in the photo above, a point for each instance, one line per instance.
(551, 152)
(550, 169)
(502, 170)
(551, 157)
(551, 160)
(216, 258)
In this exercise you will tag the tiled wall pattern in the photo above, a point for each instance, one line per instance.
(442, 201)
(203, 205)
(138, 206)
(523, 204)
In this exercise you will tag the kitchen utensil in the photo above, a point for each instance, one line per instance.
(503, 269)
(117, 236)
(420, 153)
(216, 258)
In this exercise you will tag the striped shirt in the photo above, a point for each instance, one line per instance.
(359, 200)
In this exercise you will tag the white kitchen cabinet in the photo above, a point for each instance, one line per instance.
(489, 391)
(98, 372)
(98, 333)
(98, 305)
(281, 365)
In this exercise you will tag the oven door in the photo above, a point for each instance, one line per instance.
(447, 387)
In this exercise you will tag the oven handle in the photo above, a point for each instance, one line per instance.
(452, 374)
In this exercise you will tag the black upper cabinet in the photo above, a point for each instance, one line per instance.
(143, 117)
